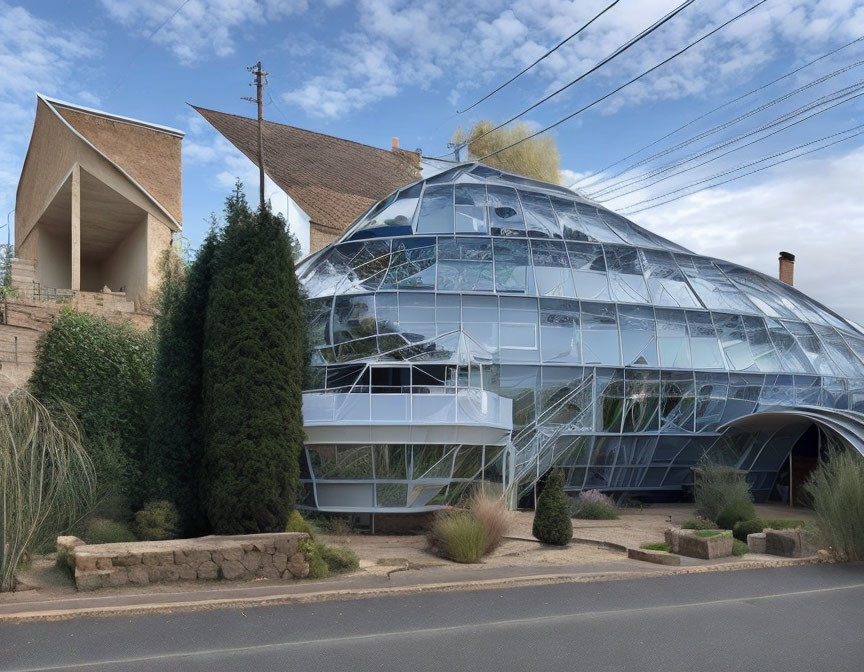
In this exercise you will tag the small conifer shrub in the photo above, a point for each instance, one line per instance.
(552, 524)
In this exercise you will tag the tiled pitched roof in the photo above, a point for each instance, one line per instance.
(332, 179)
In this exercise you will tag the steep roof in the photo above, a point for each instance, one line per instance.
(332, 179)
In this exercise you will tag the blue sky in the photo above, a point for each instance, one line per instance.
(372, 69)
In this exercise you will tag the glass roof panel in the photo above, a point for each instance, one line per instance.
(666, 282)
(712, 287)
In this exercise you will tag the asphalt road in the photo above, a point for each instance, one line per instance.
(792, 619)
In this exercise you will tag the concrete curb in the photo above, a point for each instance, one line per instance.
(578, 540)
(362, 593)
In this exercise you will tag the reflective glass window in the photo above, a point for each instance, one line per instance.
(610, 402)
(626, 229)
(813, 348)
(353, 318)
(471, 208)
(712, 287)
(539, 217)
(834, 393)
(448, 313)
(673, 340)
(519, 331)
(839, 351)
(505, 211)
(436, 210)
(778, 391)
(412, 264)
(559, 331)
(480, 324)
(417, 316)
(567, 397)
(761, 346)
(733, 338)
(394, 214)
(589, 271)
(808, 390)
(341, 462)
(568, 218)
(600, 334)
(552, 268)
(666, 283)
(712, 389)
(790, 354)
(704, 344)
(677, 401)
(464, 264)
(638, 335)
(318, 321)
(392, 461)
(760, 290)
(744, 393)
(642, 406)
(513, 271)
(625, 274)
(593, 224)
(520, 383)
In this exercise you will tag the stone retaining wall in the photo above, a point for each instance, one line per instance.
(272, 556)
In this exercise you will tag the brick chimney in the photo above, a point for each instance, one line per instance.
(787, 268)
(395, 143)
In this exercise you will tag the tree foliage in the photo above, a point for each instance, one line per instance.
(537, 158)
(102, 371)
(552, 524)
(175, 450)
(254, 350)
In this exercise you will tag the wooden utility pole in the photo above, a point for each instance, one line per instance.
(259, 88)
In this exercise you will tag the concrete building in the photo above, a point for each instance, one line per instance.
(97, 203)
(320, 183)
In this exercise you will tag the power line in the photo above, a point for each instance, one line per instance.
(843, 95)
(746, 165)
(738, 177)
(711, 131)
(626, 84)
(620, 50)
(548, 53)
(717, 109)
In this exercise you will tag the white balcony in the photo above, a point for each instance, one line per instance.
(436, 415)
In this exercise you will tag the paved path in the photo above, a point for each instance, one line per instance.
(791, 619)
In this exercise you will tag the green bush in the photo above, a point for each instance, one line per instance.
(254, 356)
(781, 524)
(699, 524)
(837, 489)
(102, 531)
(157, 521)
(296, 523)
(552, 524)
(317, 565)
(593, 505)
(656, 546)
(102, 371)
(707, 534)
(339, 558)
(744, 527)
(739, 548)
(718, 490)
(459, 536)
(738, 507)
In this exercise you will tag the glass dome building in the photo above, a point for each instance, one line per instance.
(482, 325)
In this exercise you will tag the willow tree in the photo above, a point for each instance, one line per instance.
(536, 157)
(46, 478)
(254, 352)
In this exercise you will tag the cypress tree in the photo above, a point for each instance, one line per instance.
(552, 524)
(254, 350)
(175, 450)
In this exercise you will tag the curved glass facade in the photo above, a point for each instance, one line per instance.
(622, 352)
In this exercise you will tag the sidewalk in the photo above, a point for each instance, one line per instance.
(398, 580)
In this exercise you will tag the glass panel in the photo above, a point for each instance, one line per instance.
(468, 462)
(353, 318)
(505, 212)
(464, 264)
(471, 208)
(777, 391)
(436, 211)
(395, 214)
(641, 412)
(610, 404)
(712, 287)
(832, 392)
(552, 268)
(839, 351)
(730, 329)
(559, 382)
(432, 462)
(412, 264)
(761, 346)
(638, 335)
(627, 230)
(318, 321)
(559, 331)
(666, 282)
(520, 383)
(744, 392)
(677, 402)
(512, 268)
(341, 462)
(589, 271)
(599, 334)
(539, 218)
(569, 219)
(519, 341)
(711, 392)
(625, 274)
(673, 339)
(391, 495)
(761, 291)
(392, 461)
(480, 324)
(593, 224)
(813, 348)
(789, 353)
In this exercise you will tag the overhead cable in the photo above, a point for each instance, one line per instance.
(626, 84)
(547, 54)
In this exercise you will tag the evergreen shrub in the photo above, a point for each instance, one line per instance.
(717, 487)
(157, 521)
(296, 523)
(744, 527)
(103, 531)
(552, 524)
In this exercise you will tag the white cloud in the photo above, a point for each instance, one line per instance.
(812, 209)
(201, 28)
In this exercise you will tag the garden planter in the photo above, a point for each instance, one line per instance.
(688, 543)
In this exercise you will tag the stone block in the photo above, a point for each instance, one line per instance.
(68, 544)
(269, 572)
(251, 561)
(91, 580)
(704, 548)
(788, 543)
(162, 573)
(657, 557)
(232, 570)
(756, 542)
(104, 563)
(126, 559)
(234, 554)
(138, 575)
(280, 561)
(297, 566)
(208, 570)
(85, 563)
(119, 577)
(187, 572)
(290, 545)
(154, 558)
